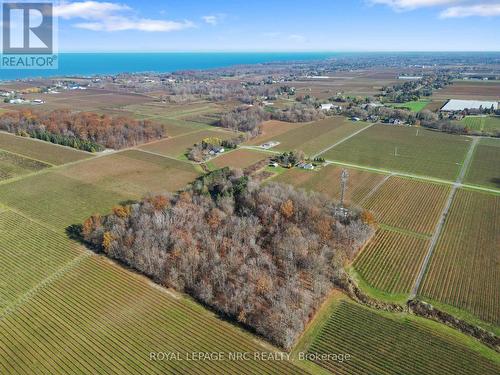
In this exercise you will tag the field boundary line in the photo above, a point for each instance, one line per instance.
(342, 140)
(25, 297)
(390, 228)
(444, 214)
(42, 224)
(165, 156)
(413, 176)
(28, 157)
(55, 168)
(375, 189)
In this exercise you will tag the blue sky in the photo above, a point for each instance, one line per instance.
(279, 25)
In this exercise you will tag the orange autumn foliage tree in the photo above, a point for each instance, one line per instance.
(264, 255)
(110, 132)
(287, 209)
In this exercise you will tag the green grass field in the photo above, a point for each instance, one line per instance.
(13, 165)
(489, 124)
(474, 122)
(404, 149)
(414, 106)
(99, 318)
(492, 123)
(395, 344)
(464, 271)
(42, 151)
(485, 167)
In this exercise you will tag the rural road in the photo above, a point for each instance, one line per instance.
(442, 219)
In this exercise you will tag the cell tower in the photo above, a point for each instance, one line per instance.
(344, 176)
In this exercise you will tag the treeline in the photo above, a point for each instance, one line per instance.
(414, 90)
(216, 90)
(248, 119)
(262, 255)
(81, 130)
(435, 121)
(60, 139)
(299, 112)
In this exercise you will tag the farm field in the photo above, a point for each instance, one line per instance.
(172, 111)
(100, 318)
(238, 159)
(174, 128)
(327, 181)
(88, 100)
(391, 261)
(435, 105)
(464, 271)
(492, 123)
(485, 167)
(381, 343)
(414, 106)
(315, 136)
(39, 150)
(57, 200)
(318, 135)
(404, 149)
(69, 195)
(473, 90)
(273, 129)
(133, 173)
(29, 253)
(408, 204)
(358, 84)
(176, 147)
(13, 165)
(473, 122)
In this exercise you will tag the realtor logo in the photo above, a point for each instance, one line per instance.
(28, 35)
(27, 28)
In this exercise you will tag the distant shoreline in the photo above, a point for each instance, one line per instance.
(99, 63)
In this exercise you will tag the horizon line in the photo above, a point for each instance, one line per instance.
(281, 51)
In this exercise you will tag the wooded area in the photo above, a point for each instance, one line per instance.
(81, 130)
(263, 255)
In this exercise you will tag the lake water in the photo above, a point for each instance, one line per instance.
(112, 63)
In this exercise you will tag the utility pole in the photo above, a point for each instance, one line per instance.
(344, 176)
(395, 151)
